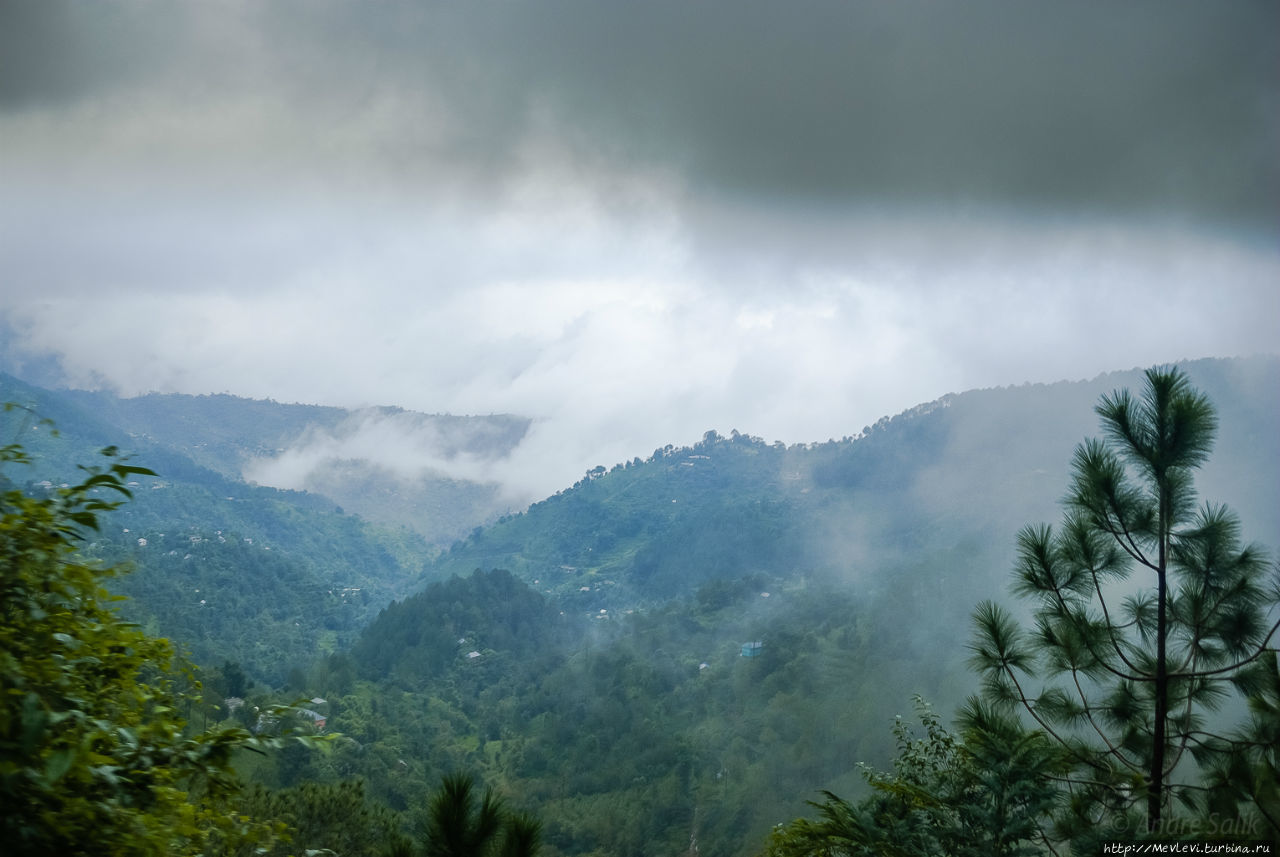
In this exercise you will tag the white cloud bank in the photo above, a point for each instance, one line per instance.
(633, 223)
(626, 341)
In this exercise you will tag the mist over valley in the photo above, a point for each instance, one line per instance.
(611, 619)
(589, 429)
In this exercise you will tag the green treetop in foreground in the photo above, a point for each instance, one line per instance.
(94, 756)
(1154, 628)
(984, 792)
(1149, 616)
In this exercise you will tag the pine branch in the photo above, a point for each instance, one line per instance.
(1112, 749)
(1261, 650)
(1106, 615)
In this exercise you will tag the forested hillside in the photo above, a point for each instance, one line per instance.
(855, 563)
(320, 450)
(677, 650)
(258, 576)
(941, 487)
(635, 731)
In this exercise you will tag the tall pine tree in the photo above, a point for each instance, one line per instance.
(1149, 613)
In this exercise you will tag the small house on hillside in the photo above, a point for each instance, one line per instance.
(752, 649)
(317, 719)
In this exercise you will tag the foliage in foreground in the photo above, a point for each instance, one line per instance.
(986, 791)
(94, 754)
(323, 818)
(458, 822)
(1150, 615)
(460, 826)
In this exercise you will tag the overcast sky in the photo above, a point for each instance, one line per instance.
(633, 221)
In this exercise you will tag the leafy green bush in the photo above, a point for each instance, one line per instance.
(95, 757)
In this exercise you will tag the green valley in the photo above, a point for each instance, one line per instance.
(674, 654)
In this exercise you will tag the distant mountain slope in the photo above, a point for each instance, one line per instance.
(423, 471)
(954, 478)
(594, 668)
(634, 717)
(220, 432)
(386, 464)
(258, 575)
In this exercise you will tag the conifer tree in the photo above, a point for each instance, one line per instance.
(982, 792)
(1149, 613)
(460, 825)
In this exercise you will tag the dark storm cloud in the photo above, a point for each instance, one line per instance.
(1085, 103)
(1143, 105)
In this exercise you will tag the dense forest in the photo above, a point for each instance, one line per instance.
(677, 653)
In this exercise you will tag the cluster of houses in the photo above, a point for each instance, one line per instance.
(268, 721)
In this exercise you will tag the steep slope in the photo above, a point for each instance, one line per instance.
(594, 667)
(229, 570)
(949, 482)
(322, 450)
(633, 717)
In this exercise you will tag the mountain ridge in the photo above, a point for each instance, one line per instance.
(585, 655)
(851, 483)
(312, 448)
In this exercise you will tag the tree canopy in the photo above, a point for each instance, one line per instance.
(95, 757)
(1141, 701)
(1149, 614)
